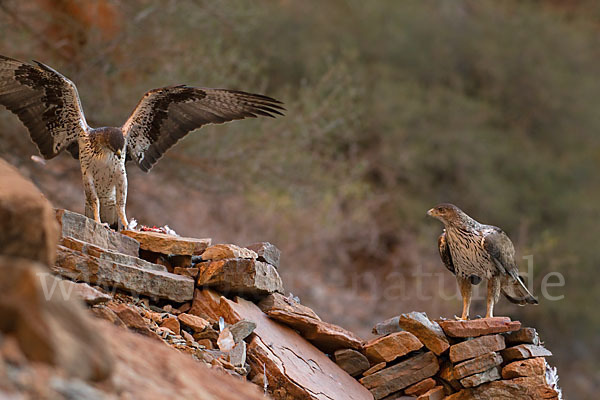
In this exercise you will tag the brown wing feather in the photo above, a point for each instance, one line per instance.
(445, 252)
(502, 251)
(45, 101)
(165, 115)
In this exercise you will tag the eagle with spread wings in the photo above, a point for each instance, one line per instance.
(48, 105)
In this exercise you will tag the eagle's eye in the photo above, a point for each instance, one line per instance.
(440, 210)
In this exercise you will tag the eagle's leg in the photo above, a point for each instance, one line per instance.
(92, 202)
(493, 295)
(94, 205)
(121, 194)
(464, 285)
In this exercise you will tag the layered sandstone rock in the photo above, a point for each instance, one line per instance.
(523, 335)
(276, 305)
(150, 282)
(522, 368)
(87, 230)
(479, 327)
(477, 365)
(223, 251)
(239, 276)
(476, 347)
(524, 351)
(351, 361)
(195, 323)
(421, 387)
(428, 332)
(168, 244)
(390, 347)
(266, 252)
(401, 375)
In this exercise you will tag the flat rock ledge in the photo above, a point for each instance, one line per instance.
(87, 230)
(479, 327)
(168, 244)
(224, 251)
(133, 279)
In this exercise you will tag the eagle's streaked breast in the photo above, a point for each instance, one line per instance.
(468, 255)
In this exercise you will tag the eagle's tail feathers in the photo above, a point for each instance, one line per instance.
(516, 292)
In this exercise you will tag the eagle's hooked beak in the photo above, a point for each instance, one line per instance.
(118, 153)
(431, 212)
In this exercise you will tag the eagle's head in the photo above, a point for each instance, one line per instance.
(110, 139)
(447, 213)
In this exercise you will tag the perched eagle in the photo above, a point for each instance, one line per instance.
(49, 106)
(473, 251)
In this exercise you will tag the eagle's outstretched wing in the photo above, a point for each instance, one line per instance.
(45, 101)
(500, 248)
(165, 115)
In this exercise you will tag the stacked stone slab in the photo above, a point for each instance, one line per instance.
(405, 362)
(486, 358)
(234, 270)
(175, 253)
(91, 253)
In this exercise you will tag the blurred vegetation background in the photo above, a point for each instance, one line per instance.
(393, 106)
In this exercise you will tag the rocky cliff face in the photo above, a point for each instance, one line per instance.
(181, 318)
